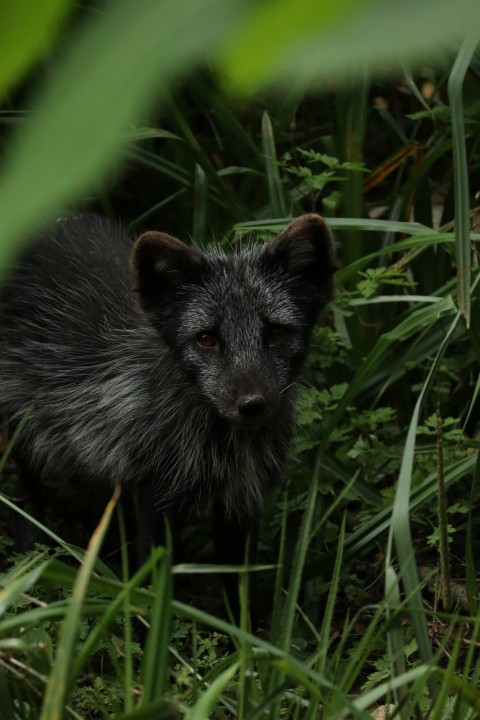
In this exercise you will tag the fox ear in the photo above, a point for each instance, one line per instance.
(161, 264)
(305, 251)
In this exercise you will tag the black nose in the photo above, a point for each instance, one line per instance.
(251, 407)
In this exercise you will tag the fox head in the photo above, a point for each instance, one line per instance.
(239, 324)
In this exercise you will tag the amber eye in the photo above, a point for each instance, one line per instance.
(207, 340)
(276, 333)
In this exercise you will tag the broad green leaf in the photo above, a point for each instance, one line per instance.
(305, 42)
(27, 28)
(107, 79)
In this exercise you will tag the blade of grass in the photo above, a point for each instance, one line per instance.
(58, 685)
(275, 187)
(296, 575)
(75, 552)
(154, 666)
(204, 705)
(114, 607)
(127, 675)
(441, 701)
(140, 219)
(7, 711)
(396, 637)
(324, 640)
(275, 626)
(471, 582)
(278, 223)
(460, 172)
(400, 532)
(352, 112)
(20, 580)
(368, 699)
(162, 710)
(200, 204)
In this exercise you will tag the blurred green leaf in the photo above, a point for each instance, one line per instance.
(307, 41)
(107, 79)
(26, 32)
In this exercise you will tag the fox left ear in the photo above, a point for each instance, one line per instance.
(161, 265)
(305, 250)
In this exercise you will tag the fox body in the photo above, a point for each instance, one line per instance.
(164, 367)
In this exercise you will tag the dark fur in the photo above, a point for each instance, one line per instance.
(109, 350)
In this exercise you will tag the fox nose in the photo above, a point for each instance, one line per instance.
(251, 407)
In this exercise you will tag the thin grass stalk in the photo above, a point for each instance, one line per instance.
(263, 709)
(396, 636)
(421, 673)
(205, 703)
(7, 711)
(18, 580)
(273, 689)
(470, 674)
(471, 583)
(140, 219)
(353, 120)
(332, 596)
(324, 640)
(244, 650)
(438, 712)
(13, 440)
(127, 624)
(59, 681)
(70, 549)
(300, 556)
(400, 525)
(200, 205)
(368, 644)
(274, 182)
(278, 594)
(155, 660)
(296, 576)
(114, 608)
(157, 711)
(460, 172)
(474, 676)
(228, 705)
(336, 502)
(445, 575)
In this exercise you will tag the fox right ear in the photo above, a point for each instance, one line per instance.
(161, 264)
(305, 251)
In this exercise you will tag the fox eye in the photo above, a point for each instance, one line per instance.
(207, 340)
(276, 333)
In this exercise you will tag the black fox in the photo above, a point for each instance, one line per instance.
(170, 369)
